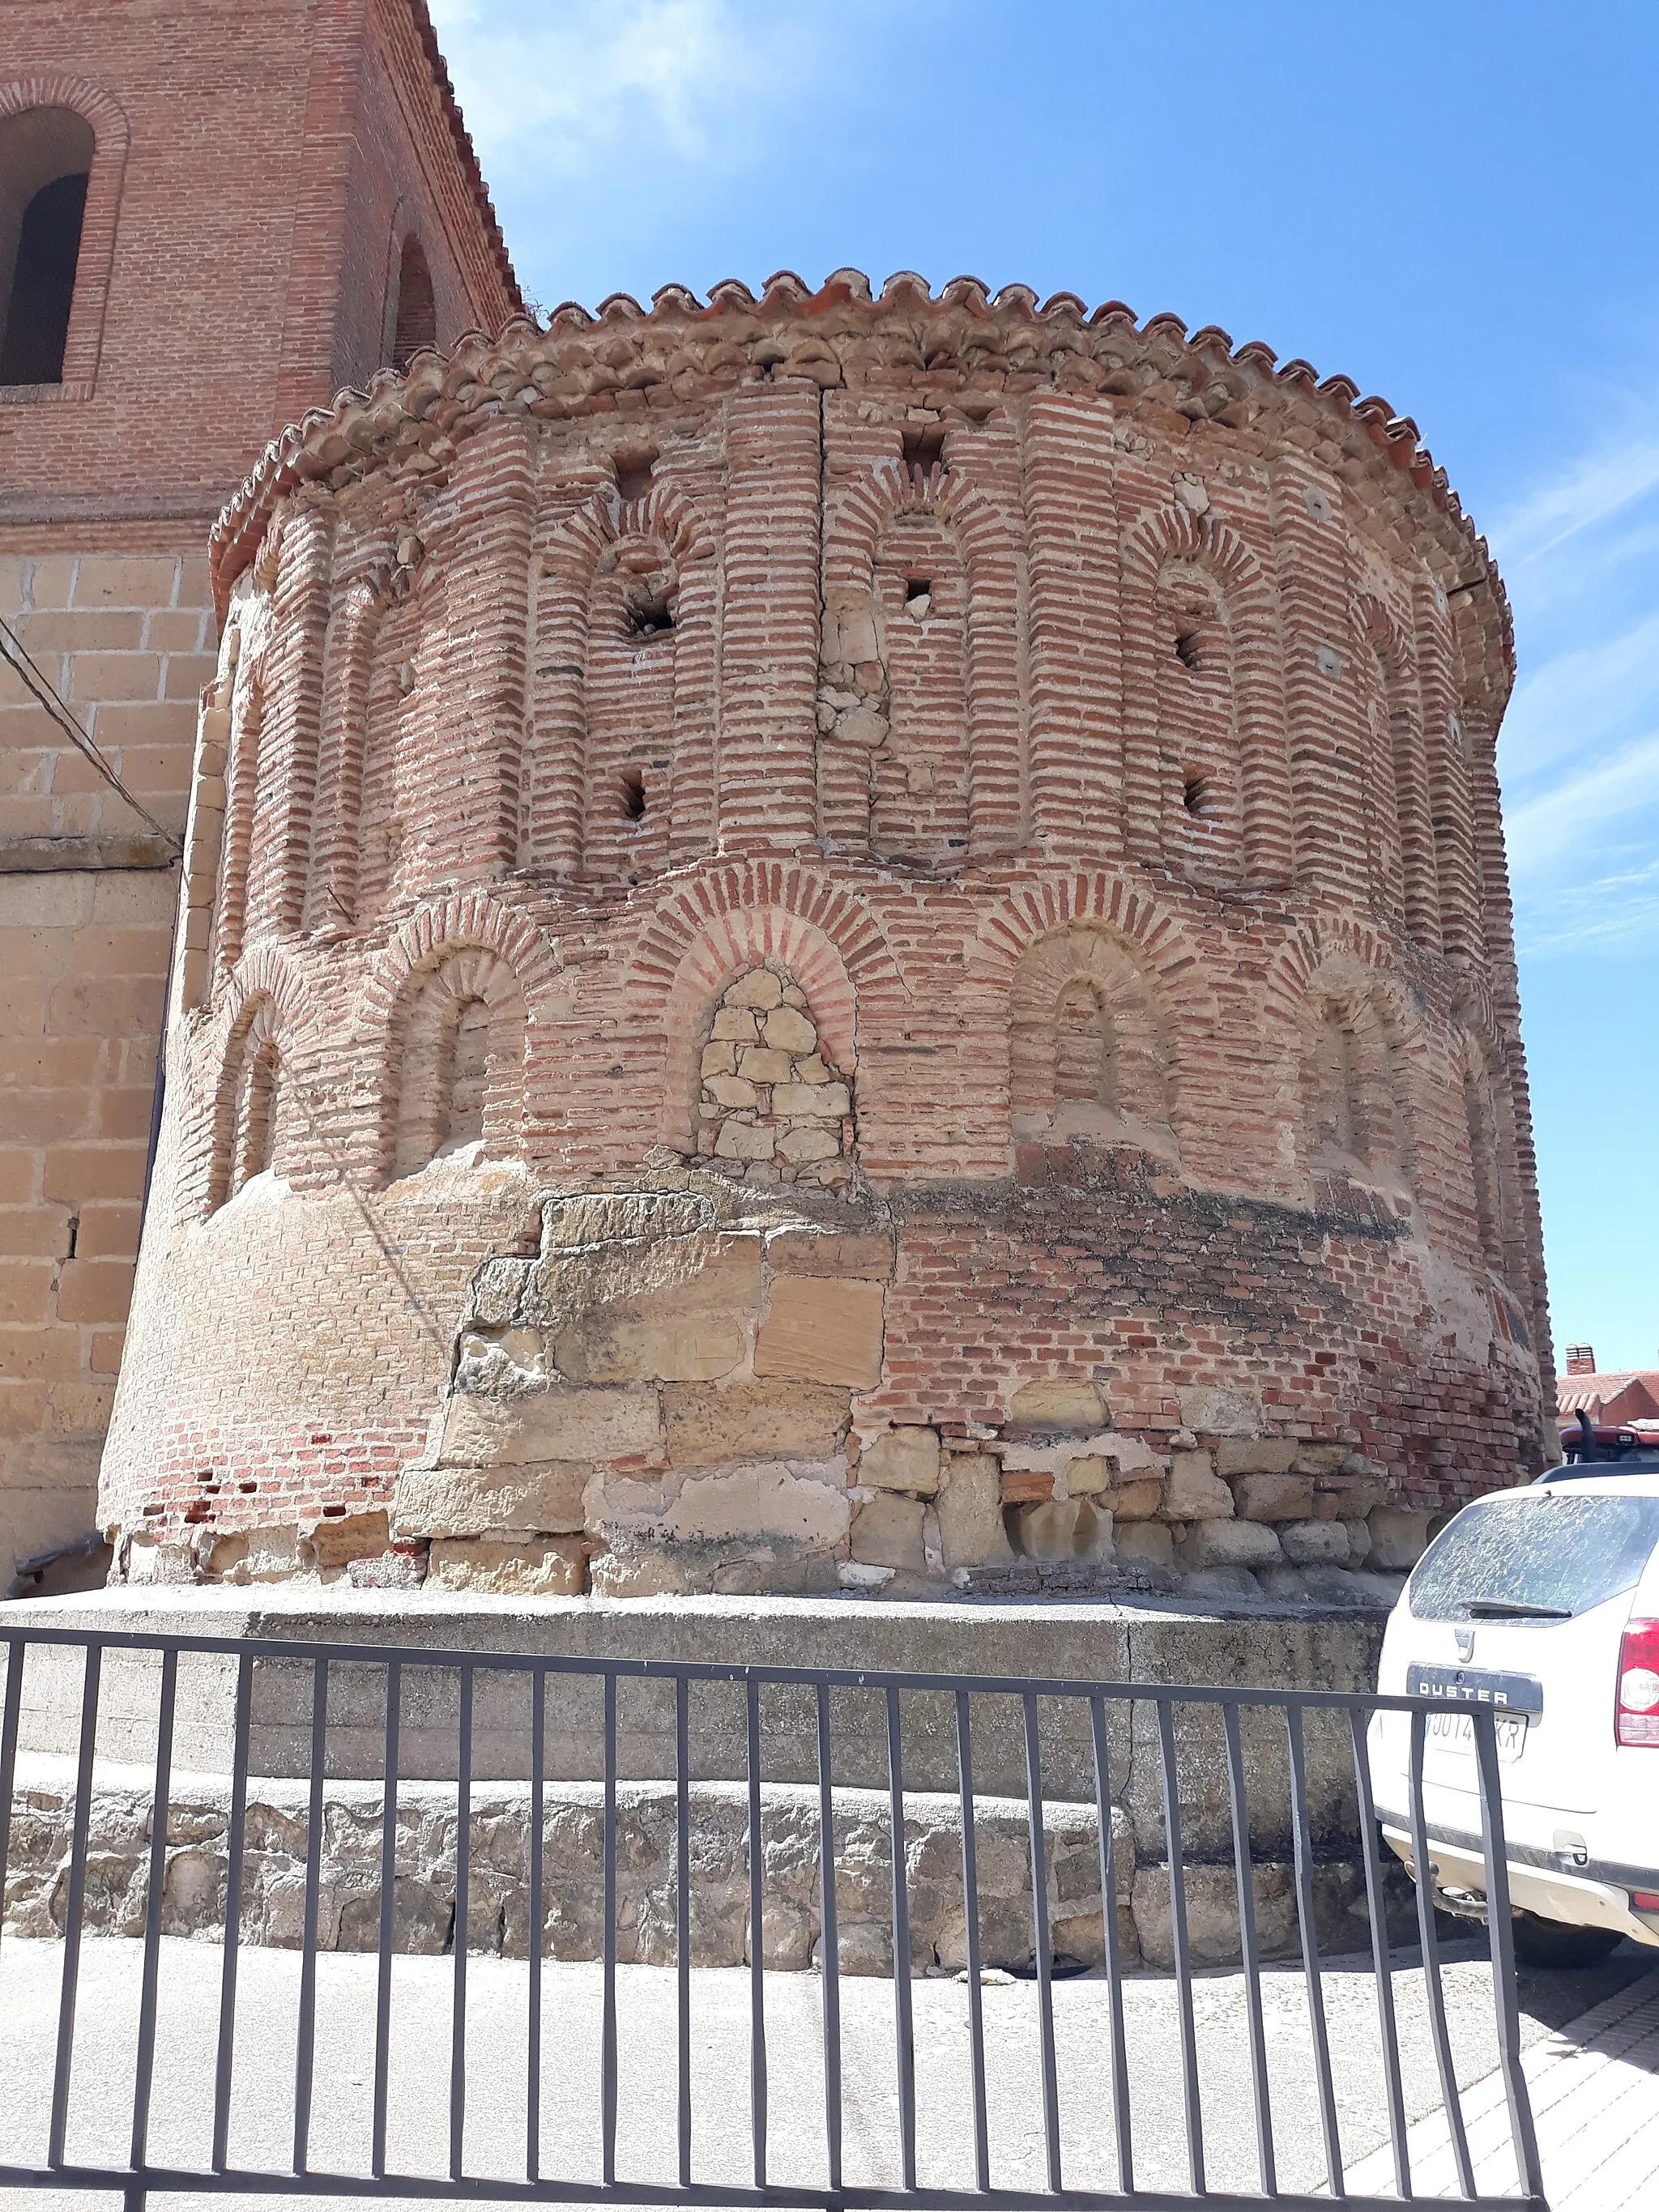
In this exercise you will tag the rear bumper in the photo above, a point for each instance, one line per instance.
(1587, 1899)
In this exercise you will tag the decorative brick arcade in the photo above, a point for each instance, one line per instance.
(840, 941)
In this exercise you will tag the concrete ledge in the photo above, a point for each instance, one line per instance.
(1152, 1644)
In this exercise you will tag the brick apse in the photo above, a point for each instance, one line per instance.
(840, 940)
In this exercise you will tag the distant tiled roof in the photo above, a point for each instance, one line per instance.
(1589, 1392)
(464, 148)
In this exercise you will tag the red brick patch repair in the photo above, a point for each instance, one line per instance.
(840, 943)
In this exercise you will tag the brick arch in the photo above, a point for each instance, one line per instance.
(471, 921)
(662, 516)
(264, 1008)
(1103, 961)
(739, 917)
(1346, 962)
(112, 134)
(1158, 938)
(1172, 534)
(996, 799)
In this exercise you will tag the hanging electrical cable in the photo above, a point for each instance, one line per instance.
(16, 654)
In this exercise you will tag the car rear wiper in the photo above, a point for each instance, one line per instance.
(1505, 1608)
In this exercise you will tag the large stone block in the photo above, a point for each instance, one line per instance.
(1193, 1490)
(1400, 1537)
(802, 1506)
(552, 1567)
(716, 1427)
(902, 1459)
(1257, 1456)
(543, 1499)
(336, 1540)
(1274, 1497)
(1144, 1543)
(887, 1532)
(822, 1252)
(1063, 1528)
(822, 1329)
(1230, 1544)
(1057, 1403)
(1217, 1412)
(969, 1509)
(1314, 1543)
(560, 1423)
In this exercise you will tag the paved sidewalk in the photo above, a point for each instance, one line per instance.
(1595, 2088)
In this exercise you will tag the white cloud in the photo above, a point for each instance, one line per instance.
(562, 86)
(1597, 487)
(1602, 805)
(1578, 700)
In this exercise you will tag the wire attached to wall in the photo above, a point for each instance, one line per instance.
(16, 654)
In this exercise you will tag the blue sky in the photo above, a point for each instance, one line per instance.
(1457, 206)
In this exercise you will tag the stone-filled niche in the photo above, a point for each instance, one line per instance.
(1088, 1045)
(458, 1040)
(1352, 1124)
(770, 1108)
(250, 1110)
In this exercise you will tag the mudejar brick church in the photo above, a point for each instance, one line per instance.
(836, 939)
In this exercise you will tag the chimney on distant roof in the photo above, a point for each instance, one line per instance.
(1581, 1359)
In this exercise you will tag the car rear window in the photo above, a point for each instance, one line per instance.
(1544, 1548)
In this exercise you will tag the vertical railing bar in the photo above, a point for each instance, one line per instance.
(1192, 2109)
(608, 1949)
(462, 1901)
(1244, 1874)
(394, 1688)
(236, 1834)
(757, 2079)
(1423, 1869)
(532, 2110)
(682, 1918)
(828, 1943)
(1382, 1954)
(1041, 1951)
(1500, 1929)
(305, 2049)
(76, 1904)
(1118, 2054)
(1302, 1843)
(160, 1809)
(903, 2026)
(970, 1923)
(16, 1648)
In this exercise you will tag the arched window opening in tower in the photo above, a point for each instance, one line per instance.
(924, 447)
(1085, 1049)
(256, 1115)
(417, 325)
(459, 1069)
(46, 165)
(633, 793)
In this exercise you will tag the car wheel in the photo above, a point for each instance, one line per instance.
(1556, 1943)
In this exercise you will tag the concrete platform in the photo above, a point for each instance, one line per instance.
(1154, 1642)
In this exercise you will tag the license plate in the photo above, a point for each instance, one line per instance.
(1457, 1730)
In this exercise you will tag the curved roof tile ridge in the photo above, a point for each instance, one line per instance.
(550, 366)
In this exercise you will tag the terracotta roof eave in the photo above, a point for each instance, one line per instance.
(464, 148)
(554, 368)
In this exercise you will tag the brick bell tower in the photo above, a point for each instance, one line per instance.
(211, 220)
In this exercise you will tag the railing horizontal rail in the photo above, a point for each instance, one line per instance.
(452, 1660)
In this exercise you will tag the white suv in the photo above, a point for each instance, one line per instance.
(1543, 1603)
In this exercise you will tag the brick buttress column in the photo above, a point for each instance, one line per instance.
(1328, 762)
(1421, 883)
(1446, 743)
(490, 639)
(287, 769)
(766, 800)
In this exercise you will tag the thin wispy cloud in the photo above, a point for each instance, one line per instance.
(563, 87)
(1597, 487)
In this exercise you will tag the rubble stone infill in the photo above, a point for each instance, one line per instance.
(423, 1918)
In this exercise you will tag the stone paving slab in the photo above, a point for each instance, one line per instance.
(1594, 2090)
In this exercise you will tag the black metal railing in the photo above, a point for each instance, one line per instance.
(1185, 1784)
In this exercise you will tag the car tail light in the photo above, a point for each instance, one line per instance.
(1646, 1901)
(1636, 1719)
